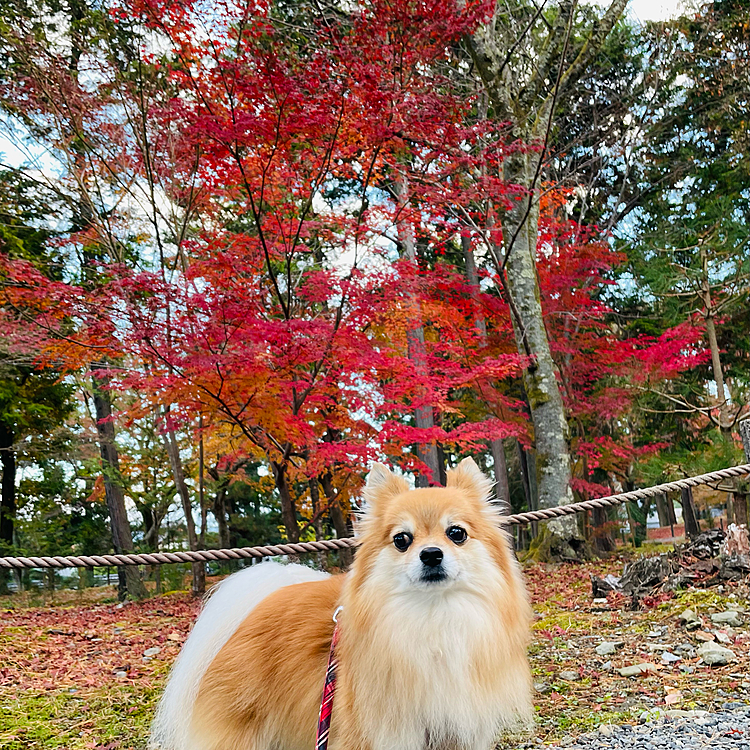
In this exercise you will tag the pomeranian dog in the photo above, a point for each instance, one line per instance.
(433, 628)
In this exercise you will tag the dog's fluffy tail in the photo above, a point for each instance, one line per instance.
(227, 606)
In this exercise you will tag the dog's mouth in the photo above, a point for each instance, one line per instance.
(434, 575)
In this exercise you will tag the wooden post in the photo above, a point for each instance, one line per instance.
(692, 529)
(740, 507)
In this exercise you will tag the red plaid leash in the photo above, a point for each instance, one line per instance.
(329, 688)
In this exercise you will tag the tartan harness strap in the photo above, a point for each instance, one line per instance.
(329, 688)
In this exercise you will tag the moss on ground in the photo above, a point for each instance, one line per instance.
(117, 717)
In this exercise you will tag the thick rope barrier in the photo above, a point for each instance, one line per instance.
(161, 558)
(239, 553)
(545, 514)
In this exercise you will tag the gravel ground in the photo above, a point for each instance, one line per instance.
(679, 730)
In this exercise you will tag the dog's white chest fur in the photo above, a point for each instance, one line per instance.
(428, 681)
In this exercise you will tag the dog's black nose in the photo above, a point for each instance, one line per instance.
(431, 556)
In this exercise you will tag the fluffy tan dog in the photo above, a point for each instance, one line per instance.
(433, 632)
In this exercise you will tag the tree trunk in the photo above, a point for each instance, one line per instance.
(417, 351)
(178, 472)
(529, 484)
(539, 378)
(220, 514)
(600, 532)
(8, 499)
(202, 489)
(500, 468)
(741, 488)
(603, 541)
(525, 476)
(745, 435)
(502, 488)
(528, 101)
(318, 519)
(338, 519)
(122, 538)
(423, 416)
(689, 516)
(725, 420)
(472, 277)
(288, 508)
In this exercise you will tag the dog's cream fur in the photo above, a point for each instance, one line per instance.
(422, 665)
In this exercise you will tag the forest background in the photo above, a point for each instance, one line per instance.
(257, 245)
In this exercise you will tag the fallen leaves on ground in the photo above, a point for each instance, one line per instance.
(86, 676)
(577, 689)
(82, 647)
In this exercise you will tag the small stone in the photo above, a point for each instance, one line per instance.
(715, 655)
(606, 666)
(607, 730)
(702, 635)
(722, 637)
(569, 675)
(152, 651)
(678, 713)
(669, 658)
(688, 615)
(567, 741)
(542, 687)
(121, 674)
(731, 617)
(606, 648)
(638, 669)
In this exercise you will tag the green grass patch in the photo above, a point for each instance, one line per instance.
(116, 718)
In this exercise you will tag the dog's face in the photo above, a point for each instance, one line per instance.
(432, 539)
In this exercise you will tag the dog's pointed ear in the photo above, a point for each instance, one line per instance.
(468, 477)
(381, 485)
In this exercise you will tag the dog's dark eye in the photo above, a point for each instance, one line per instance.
(402, 541)
(456, 534)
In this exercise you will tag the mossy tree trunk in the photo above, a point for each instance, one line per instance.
(528, 66)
